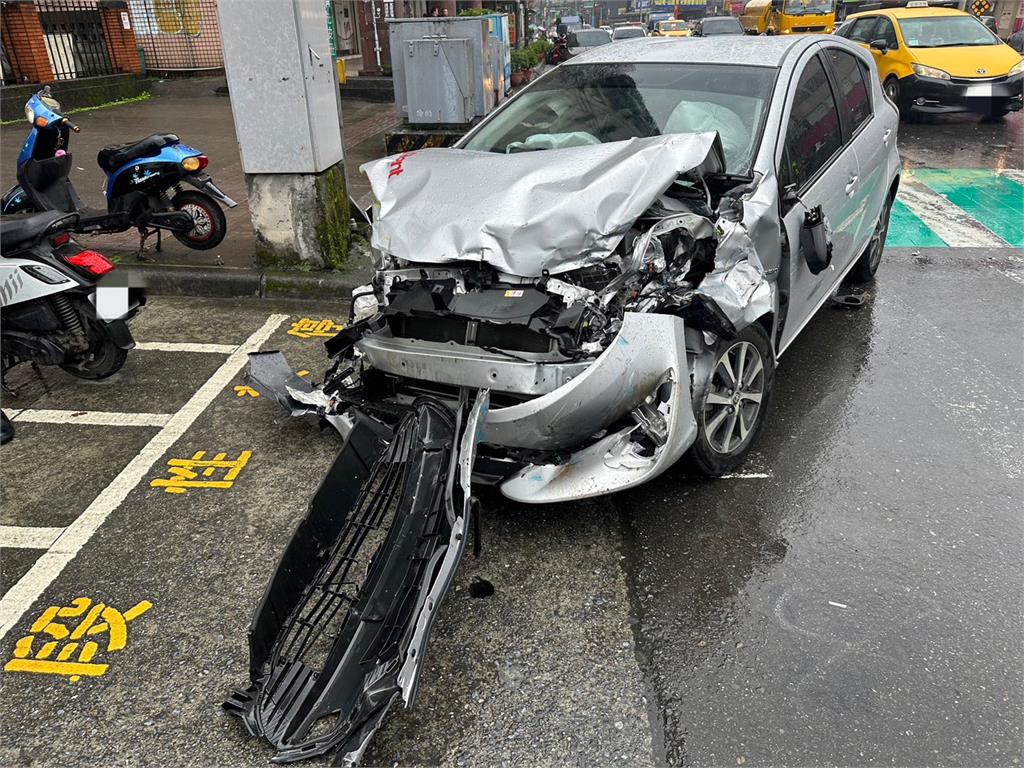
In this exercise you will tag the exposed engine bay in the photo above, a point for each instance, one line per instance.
(553, 363)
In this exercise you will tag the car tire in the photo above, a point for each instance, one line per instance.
(729, 419)
(891, 86)
(867, 264)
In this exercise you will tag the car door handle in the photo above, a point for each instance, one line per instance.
(851, 185)
(886, 135)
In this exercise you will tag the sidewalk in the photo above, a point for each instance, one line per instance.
(204, 122)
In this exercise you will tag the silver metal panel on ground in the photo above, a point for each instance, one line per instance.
(472, 28)
(438, 81)
(283, 85)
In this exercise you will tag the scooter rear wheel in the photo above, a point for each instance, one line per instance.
(210, 224)
(102, 360)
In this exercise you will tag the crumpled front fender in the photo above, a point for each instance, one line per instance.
(613, 463)
(647, 347)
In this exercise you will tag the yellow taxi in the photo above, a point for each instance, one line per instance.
(939, 60)
(672, 28)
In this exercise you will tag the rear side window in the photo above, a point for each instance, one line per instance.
(812, 134)
(851, 81)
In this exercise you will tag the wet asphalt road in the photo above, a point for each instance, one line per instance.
(861, 605)
(853, 598)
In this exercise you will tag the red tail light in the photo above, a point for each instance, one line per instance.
(62, 239)
(203, 161)
(92, 262)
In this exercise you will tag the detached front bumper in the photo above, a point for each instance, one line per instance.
(570, 404)
(928, 95)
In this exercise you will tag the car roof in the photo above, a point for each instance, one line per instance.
(909, 13)
(768, 51)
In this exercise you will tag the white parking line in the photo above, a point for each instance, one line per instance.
(97, 418)
(20, 597)
(23, 537)
(948, 221)
(184, 346)
(1013, 174)
(745, 476)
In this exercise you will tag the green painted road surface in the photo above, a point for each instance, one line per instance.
(908, 231)
(991, 199)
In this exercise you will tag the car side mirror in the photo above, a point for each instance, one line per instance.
(879, 45)
(815, 244)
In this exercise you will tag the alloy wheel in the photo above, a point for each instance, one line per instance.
(733, 402)
(878, 238)
(203, 222)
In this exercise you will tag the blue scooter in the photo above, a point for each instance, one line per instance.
(140, 178)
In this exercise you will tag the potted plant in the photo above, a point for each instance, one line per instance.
(522, 60)
(540, 48)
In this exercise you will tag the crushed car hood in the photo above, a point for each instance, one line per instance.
(523, 213)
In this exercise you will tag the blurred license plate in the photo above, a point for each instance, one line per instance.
(979, 90)
(111, 302)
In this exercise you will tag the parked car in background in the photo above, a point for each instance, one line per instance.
(671, 28)
(628, 33)
(583, 39)
(939, 60)
(717, 25)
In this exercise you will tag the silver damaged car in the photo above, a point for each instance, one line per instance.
(597, 282)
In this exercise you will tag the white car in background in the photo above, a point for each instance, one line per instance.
(628, 33)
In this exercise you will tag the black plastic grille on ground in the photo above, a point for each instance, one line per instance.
(327, 645)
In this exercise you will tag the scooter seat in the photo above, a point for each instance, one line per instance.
(118, 155)
(24, 228)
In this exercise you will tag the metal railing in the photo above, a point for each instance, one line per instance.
(74, 38)
(177, 35)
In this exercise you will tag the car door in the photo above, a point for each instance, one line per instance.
(816, 169)
(870, 135)
(891, 62)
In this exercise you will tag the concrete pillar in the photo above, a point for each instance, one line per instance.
(23, 42)
(287, 112)
(300, 219)
(120, 37)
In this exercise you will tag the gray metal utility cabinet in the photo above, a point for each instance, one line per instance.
(284, 92)
(442, 69)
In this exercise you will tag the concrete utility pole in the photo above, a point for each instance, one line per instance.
(287, 111)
